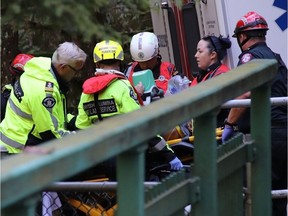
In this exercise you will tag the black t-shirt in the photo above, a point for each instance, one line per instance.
(278, 88)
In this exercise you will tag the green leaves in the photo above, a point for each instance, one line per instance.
(86, 17)
(38, 26)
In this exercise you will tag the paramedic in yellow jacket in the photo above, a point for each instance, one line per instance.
(110, 88)
(109, 93)
(37, 102)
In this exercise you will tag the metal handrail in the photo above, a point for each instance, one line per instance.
(247, 102)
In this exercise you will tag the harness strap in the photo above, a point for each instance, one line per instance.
(213, 72)
(100, 118)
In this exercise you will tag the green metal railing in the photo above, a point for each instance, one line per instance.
(215, 186)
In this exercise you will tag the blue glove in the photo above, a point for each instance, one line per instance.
(228, 132)
(176, 164)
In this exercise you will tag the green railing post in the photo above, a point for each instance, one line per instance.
(261, 167)
(205, 161)
(130, 176)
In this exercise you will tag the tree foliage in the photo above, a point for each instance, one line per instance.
(88, 18)
(37, 27)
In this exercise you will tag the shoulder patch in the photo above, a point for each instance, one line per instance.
(161, 78)
(49, 86)
(133, 94)
(49, 102)
(246, 58)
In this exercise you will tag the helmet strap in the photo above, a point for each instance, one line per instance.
(15, 71)
(243, 42)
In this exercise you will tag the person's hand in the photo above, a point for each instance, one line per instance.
(176, 164)
(140, 88)
(227, 133)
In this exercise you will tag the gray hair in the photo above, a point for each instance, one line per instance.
(68, 52)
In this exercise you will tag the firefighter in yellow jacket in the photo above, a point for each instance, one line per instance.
(109, 93)
(37, 103)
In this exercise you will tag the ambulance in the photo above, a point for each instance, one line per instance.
(179, 25)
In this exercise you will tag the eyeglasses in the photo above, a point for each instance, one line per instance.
(74, 69)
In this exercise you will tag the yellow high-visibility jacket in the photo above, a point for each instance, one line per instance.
(36, 104)
(115, 96)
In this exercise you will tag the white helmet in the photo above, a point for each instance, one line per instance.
(144, 46)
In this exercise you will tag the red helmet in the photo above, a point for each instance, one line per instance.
(250, 22)
(17, 65)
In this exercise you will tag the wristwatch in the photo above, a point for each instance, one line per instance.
(234, 126)
(228, 123)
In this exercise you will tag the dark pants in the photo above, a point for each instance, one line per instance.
(279, 168)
